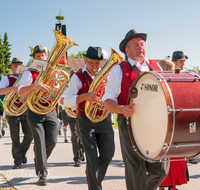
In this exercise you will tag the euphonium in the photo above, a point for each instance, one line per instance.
(100, 81)
(70, 112)
(57, 79)
(13, 104)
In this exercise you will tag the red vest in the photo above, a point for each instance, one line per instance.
(11, 80)
(85, 89)
(128, 76)
(34, 75)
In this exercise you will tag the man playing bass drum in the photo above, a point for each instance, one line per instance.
(119, 83)
(95, 137)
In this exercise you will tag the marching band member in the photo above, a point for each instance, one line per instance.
(115, 100)
(77, 147)
(18, 149)
(97, 138)
(178, 58)
(44, 127)
(66, 124)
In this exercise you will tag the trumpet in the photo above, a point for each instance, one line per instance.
(193, 72)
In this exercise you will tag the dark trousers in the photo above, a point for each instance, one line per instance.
(45, 131)
(19, 149)
(96, 138)
(136, 168)
(76, 141)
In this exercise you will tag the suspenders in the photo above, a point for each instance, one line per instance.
(86, 78)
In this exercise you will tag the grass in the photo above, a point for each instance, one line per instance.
(115, 125)
(8, 187)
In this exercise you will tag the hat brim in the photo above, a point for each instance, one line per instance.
(32, 54)
(101, 58)
(18, 63)
(179, 59)
(123, 43)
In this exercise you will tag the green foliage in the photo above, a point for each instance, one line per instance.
(5, 55)
(197, 69)
(115, 125)
(78, 55)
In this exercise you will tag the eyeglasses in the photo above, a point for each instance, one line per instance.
(93, 62)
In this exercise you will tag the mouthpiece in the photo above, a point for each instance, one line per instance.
(95, 70)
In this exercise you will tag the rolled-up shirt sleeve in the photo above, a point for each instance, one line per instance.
(70, 94)
(4, 83)
(26, 80)
(113, 88)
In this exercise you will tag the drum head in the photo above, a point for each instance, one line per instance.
(150, 119)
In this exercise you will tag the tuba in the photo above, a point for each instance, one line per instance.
(43, 102)
(13, 104)
(100, 82)
(70, 112)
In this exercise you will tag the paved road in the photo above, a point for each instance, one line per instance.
(63, 174)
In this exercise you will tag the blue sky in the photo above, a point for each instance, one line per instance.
(170, 25)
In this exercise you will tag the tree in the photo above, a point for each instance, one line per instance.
(197, 69)
(78, 55)
(5, 55)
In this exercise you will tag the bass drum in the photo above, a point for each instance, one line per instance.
(166, 119)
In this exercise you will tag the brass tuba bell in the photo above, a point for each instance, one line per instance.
(70, 112)
(43, 102)
(13, 104)
(100, 81)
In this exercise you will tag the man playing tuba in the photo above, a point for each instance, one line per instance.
(95, 137)
(18, 149)
(44, 127)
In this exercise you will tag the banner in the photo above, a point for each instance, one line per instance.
(61, 28)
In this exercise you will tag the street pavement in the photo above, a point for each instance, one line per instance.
(63, 174)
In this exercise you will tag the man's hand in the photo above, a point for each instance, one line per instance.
(62, 101)
(41, 87)
(127, 111)
(15, 89)
(92, 98)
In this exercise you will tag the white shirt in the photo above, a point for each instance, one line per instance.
(4, 83)
(113, 88)
(70, 93)
(26, 79)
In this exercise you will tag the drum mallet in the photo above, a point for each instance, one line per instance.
(133, 92)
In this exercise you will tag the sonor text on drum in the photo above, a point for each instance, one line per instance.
(149, 87)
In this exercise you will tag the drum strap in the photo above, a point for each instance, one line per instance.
(136, 71)
(151, 68)
(133, 67)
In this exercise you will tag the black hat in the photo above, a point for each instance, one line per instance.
(16, 61)
(178, 55)
(130, 35)
(37, 49)
(94, 53)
